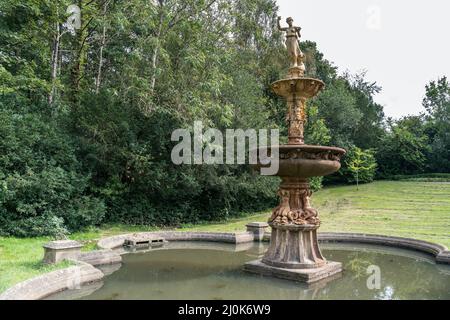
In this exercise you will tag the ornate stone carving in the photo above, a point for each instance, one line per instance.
(311, 155)
(295, 206)
(296, 117)
(282, 212)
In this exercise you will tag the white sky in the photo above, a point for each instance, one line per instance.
(403, 44)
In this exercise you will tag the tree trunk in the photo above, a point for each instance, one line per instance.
(79, 59)
(156, 49)
(100, 62)
(357, 180)
(102, 45)
(55, 58)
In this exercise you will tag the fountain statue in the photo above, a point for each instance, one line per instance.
(294, 251)
(292, 45)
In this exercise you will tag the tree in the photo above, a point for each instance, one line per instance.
(370, 127)
(437, 105)
(337, 106)
(361, 164)
(403, 149)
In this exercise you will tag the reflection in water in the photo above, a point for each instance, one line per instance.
(203, 273)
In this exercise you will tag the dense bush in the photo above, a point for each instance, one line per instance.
(218, 198)
(141, 185)
(403, 149)
(42, 188)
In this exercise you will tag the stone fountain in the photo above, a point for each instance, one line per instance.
(294, 251)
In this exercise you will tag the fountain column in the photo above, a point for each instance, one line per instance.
(294, 251)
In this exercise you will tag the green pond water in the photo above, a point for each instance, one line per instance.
(214, 271)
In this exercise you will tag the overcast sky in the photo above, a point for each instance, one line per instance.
(403, 44)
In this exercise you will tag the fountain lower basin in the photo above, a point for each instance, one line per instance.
(206, 270)
(301, 161)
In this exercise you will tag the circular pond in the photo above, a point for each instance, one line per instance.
(194, 270)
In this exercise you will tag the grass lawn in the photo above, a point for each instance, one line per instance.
(410, 209)
(415, 209)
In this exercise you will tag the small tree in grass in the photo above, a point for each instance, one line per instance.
(361, 164)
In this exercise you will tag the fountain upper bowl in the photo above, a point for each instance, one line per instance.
(303, 87)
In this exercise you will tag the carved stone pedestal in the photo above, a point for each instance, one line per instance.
(294, 247)
(294, 251)
(294, 254)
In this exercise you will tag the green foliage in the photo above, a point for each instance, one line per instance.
(437, 104)
(360, 165)
(370, 126)
(316, 132)
(104, 153)
(338, 107)
(316, 183)
(86, 115)
(403, 149)
(42, 188)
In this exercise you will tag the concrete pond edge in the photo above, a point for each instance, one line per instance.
(84, 271)
(53, 282)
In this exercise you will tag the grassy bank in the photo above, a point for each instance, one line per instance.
(413, 209)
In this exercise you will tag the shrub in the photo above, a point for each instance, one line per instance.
(42, 188)
(316, 183)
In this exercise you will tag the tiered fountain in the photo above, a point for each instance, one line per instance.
(294, 251)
